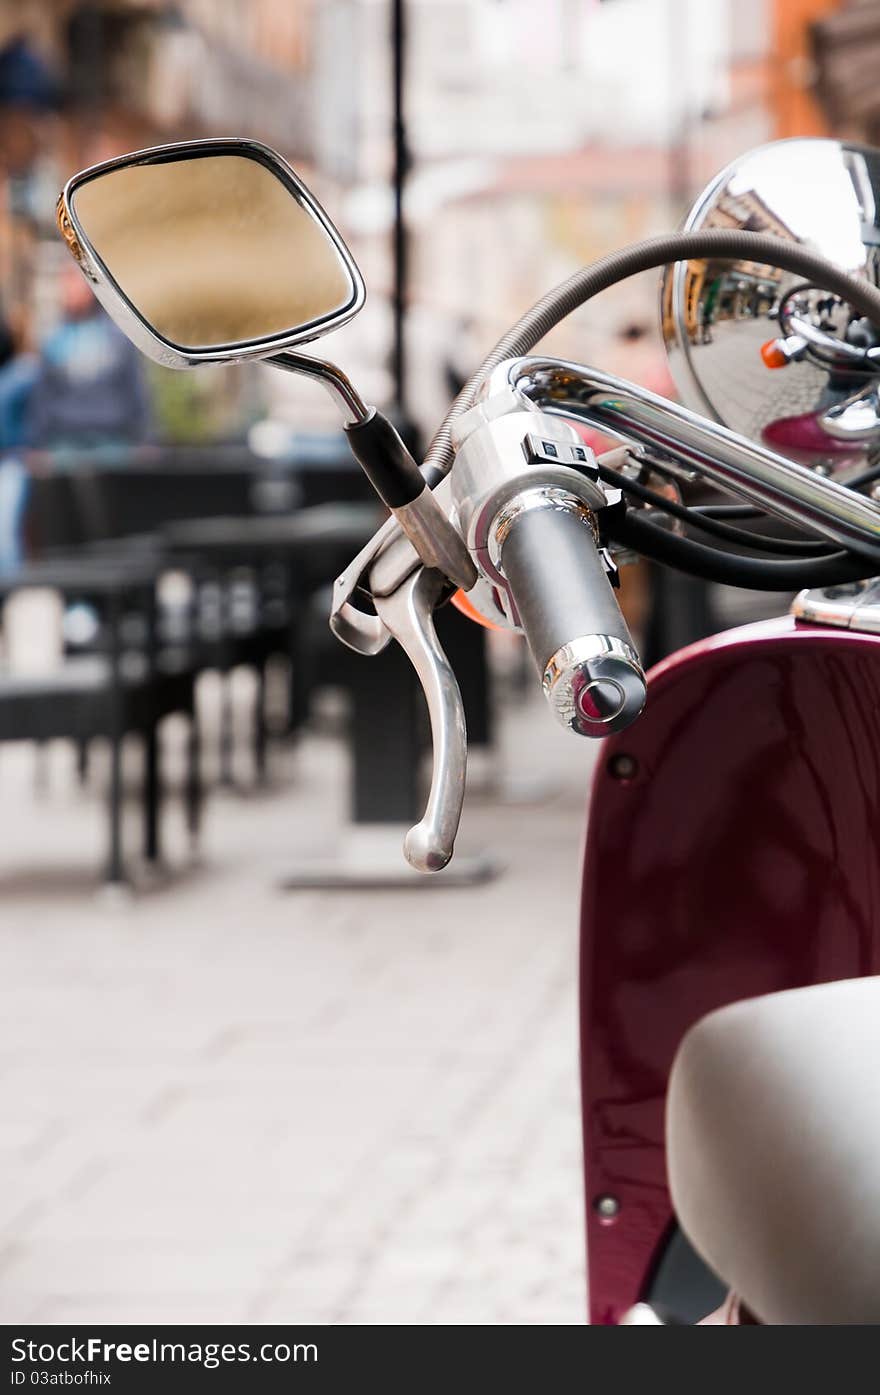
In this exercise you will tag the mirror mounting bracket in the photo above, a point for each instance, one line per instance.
(343, 391)
(392, 471)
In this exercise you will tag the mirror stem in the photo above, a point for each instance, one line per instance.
(392, 472)
(337, 383)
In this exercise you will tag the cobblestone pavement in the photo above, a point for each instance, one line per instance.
(224, 1103)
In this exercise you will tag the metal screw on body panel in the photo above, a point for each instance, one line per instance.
(623, 767)
(606, 1207)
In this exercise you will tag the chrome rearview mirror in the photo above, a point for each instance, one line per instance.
(755, 348)
(209, 251)
(213, 251)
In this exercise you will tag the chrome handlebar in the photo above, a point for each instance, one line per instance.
(494, 466)
(682, 439)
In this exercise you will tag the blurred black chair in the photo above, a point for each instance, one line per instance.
(255, 576)
(107, 694)
(225, 515)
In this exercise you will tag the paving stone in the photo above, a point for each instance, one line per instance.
(225, 1103)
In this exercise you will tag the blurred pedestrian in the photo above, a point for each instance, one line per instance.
(90, 390)
(18, 374)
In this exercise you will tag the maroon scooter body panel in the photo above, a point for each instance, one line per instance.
(740, 856)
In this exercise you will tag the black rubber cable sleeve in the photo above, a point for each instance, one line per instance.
(711, 564)
(794, 547)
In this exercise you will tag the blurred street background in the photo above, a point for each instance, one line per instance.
(224, 1098)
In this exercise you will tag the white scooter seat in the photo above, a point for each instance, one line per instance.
(773, 1145)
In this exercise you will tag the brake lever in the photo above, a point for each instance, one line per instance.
(364, 633)
(379, 568)
(407, 615)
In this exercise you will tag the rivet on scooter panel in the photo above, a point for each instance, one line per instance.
(623, 767)
(606, 1207)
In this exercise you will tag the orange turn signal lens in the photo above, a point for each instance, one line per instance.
(773, 355)
(461, 602)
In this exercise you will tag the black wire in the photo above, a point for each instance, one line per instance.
(866, 477)
(729, 511)
(793, 547)
(754, 573)
(751, 511)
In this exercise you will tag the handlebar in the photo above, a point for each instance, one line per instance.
(527, 498)
(668, 431)
(569, 614)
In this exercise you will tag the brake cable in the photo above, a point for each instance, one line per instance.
(867, 476)
(753, 573)
(655, 542)
(797, 547)
(731, 244)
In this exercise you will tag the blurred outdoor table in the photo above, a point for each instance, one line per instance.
(106, 573)
(323, 525)
(313, 544)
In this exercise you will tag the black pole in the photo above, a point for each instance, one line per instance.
(680, 136)
(400, 248)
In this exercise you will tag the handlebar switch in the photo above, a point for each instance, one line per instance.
(558, 450)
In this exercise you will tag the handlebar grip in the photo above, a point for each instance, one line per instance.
(569, 614)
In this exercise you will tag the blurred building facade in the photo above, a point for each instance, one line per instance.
(542, 135)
